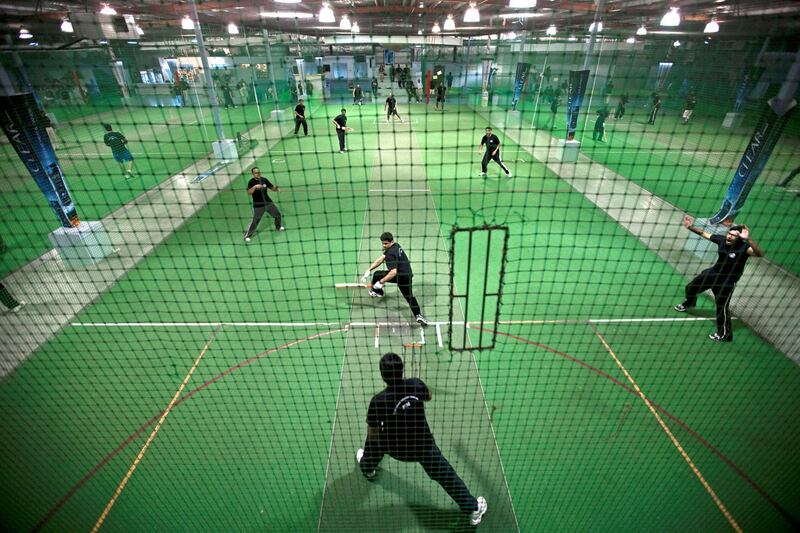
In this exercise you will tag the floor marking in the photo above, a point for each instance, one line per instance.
(422, 335)
(439, 335)
(671, 436)
(377, 336)
(438, 325)
(278, 160)
(153, 433)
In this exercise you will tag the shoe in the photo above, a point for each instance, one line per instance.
(281, 229)
(716, 337)
(509, 175)
(19, 306)
(477, 515)
(482, 174)
(375, 294)
(421, 321)
(247, 239)
(341, 151)
(359, 456)
(682, 308)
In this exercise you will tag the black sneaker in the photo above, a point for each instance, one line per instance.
(682, 308)
(421, 321)
(716, 337)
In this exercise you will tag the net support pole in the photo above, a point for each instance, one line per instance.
(593, 37)
(270, 67)
(210, 91)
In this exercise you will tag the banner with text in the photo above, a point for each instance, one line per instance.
(578, 80)
(756, 154)
(519, 82)
(25, 125)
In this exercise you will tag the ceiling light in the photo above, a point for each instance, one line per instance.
(419, 32)
(712, 27)
(187, 23)
(630, 40)
(233, 29)
(326, 15)
(551, 30)
(599, 27)
(671, 17)
(449, 24)
(344, 23)
(472, 14)
(24, 34)
(676, 44)
(522, 4)
(66, 26)
(355, 28)
(287, 15)
(108, 10)
(436, 28)
(642, 31)
(287, 1)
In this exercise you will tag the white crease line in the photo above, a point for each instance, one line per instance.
(439, 335)
(387, 324)
(377, 336)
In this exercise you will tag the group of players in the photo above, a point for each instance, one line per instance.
(396, 416)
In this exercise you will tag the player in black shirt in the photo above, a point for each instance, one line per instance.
(688, 109)
(396, 425)
(341, 129)
(734, 249)
(492, 144)
(399, 272)
(439, 96)
(119, 149)
(391, 108)
(358, 95)
(300, 118)
(256, 188)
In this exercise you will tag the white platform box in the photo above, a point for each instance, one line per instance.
(226, 150)
(569, 150)
(732, 120)
(85, 244)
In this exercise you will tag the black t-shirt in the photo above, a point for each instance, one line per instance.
(395, 257)
(260, 196)
(341, 120)
(491, 142)
(730, 259)
(300, 110)
(554, 106)
(114, 140)
(691, 103)
(391, 102)
(357, 93)
(398, 413)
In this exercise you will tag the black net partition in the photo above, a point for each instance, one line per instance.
(275, 277)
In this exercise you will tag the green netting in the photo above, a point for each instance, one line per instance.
(185, 379)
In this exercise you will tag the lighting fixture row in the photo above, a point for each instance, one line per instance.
(326, 15)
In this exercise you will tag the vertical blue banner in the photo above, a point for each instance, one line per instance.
(519, 82)
(578, 80)
(23, 122)
(756, 154)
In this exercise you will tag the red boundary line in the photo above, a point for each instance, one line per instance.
(79, 485)
(736, 468)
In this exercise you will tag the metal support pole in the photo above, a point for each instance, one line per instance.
(593, 36)
(271, 67)
(210, 91)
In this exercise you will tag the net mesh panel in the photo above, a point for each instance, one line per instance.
(193, 381)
